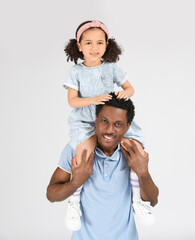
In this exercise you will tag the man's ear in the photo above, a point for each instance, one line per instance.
(128, 126)
(79, 47)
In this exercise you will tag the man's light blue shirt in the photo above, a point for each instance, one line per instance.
(106, 205)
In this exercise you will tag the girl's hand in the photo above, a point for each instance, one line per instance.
(122, 94)
(101, 99)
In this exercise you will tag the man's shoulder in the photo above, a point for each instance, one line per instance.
(66, 158)
(68, 150)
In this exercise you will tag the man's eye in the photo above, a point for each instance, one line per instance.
(118, 124)
(104, 121)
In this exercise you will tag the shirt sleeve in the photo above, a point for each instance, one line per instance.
(66, 158)
(72, 79)
(119, 76)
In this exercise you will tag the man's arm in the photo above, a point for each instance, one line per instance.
(138, 161)
(61, 187)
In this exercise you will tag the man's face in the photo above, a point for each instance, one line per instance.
(111, 124)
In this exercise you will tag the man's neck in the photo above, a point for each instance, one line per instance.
(107, 152)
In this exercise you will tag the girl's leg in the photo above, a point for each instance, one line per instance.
(89, 145)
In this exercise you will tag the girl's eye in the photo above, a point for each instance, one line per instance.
(100, 43)
(88, 43)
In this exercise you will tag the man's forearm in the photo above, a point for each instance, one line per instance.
(57, 192)
(149, 191)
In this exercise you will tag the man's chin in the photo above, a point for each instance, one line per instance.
(108, 144)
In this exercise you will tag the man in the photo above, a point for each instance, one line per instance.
(106, 194)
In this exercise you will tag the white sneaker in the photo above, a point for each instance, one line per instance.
(143, 212)
(72, 217)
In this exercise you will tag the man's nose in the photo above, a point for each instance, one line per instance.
(110, 128)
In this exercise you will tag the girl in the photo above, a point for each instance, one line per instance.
(88, 85)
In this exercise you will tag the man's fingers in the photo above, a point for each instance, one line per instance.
(74, 163)
(124, 145)
(127, 147)
(91, 164)
(84, 155)
(90, 159)
(134, 146)
(125, 152)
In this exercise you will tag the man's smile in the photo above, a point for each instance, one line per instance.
(108, 137)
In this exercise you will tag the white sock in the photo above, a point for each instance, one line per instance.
(76, 195)
(135, 187)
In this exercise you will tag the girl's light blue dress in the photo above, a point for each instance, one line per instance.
(91, 82)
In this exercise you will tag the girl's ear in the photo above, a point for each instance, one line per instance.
(79, 47)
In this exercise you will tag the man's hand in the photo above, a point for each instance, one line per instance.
(139, 164)
(137, 161)
(81, 172)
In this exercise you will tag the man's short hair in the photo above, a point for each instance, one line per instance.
(119, 103)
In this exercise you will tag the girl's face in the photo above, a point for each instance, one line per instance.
(93, 46)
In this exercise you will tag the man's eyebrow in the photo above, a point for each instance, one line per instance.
(119, 121)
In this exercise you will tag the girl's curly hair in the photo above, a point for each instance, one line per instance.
(111, 54)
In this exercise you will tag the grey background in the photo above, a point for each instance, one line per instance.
(158, 40)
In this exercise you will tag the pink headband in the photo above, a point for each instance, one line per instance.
(86, 26)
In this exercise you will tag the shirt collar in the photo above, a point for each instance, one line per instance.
(114, 157)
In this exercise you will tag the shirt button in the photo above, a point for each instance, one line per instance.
(105, 174)
(106, 165)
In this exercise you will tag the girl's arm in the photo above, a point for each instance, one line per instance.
(128, 91)
(75, 101)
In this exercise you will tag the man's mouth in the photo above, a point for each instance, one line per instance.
(108, 137)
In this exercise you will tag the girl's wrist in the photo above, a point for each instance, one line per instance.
(91, 100)
(129, 92)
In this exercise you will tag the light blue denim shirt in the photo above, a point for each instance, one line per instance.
(91, 82)
(106, 205)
